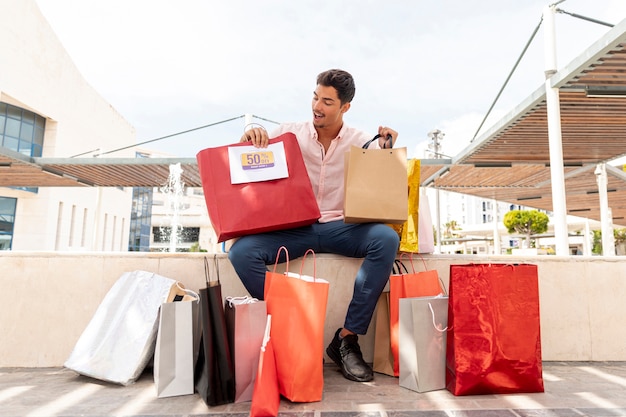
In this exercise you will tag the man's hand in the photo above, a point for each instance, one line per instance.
(384, 133)
(257, 137)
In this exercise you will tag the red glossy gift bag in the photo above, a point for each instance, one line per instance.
(494, 340)
(237, 208)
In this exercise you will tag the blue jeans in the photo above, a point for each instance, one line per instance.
(377, 243)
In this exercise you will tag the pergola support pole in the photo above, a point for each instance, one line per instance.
(559, 209)
(606, 218)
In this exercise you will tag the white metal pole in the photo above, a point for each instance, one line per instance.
(559, 208)
(587, 240)
(438, 225)
(497, 247)
(606, 221)
(247, 120)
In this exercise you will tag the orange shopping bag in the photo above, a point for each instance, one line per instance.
(297, 304)
(265, 396)
(416, 284)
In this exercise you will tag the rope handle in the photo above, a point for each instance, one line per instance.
(411, 260)
(266, 336)
(301, 265)
(389, 141)
(441, 284)
(232, 301)
(314, 262)
(278, 256)
(207, 271)
(253, 125)
(438, 328)
(397, 268)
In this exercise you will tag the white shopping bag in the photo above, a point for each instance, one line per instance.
(425, 236)
(422, 339)
(118, 342)
(177, 346)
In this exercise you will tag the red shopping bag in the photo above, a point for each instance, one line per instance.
(494, 340)
(297, 304)
(406, 285)
(265, 396)
(250, 207)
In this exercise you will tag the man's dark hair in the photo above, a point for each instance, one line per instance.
(341, 80)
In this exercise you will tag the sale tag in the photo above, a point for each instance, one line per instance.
(257, 160)
(250, 164)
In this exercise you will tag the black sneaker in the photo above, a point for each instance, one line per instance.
(347, 355)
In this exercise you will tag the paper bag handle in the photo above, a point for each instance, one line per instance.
(266, 336)
(278, 256)
(443, 287)
(287, 262)
(438, 328)
(314, 262)
(240, 300)
(411, 260)
(389, 141)
(207, 272)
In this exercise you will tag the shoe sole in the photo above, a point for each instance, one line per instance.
(336, 357)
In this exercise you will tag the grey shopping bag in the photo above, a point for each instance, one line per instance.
(422, 339)
(177, 346)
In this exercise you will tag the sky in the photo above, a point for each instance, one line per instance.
(174, 66)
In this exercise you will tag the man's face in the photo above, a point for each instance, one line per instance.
(327, 108)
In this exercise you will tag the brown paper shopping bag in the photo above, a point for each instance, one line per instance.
(375, 185)
(383, 355)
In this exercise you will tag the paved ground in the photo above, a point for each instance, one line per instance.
(572, 389)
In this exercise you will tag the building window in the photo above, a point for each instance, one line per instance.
(21, 130)
(141, 216)
(185, 235)
(140, 220)
(7, 220)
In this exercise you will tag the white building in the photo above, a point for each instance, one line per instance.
(47, 109)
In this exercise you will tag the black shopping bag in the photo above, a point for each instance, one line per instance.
(215, 376)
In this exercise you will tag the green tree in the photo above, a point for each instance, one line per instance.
(526, 222)
(618, 234)
(450, 227)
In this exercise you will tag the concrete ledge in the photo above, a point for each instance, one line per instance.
(50, 297)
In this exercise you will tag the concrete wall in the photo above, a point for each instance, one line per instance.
(49, 298)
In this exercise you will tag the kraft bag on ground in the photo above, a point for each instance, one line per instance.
(422, 341)
(177, 344)
(215, 375)
(375, 185)
(245, 322)
(297, 304)
(119, 340)
(494, 338)
(242, 200)
(383, 355)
